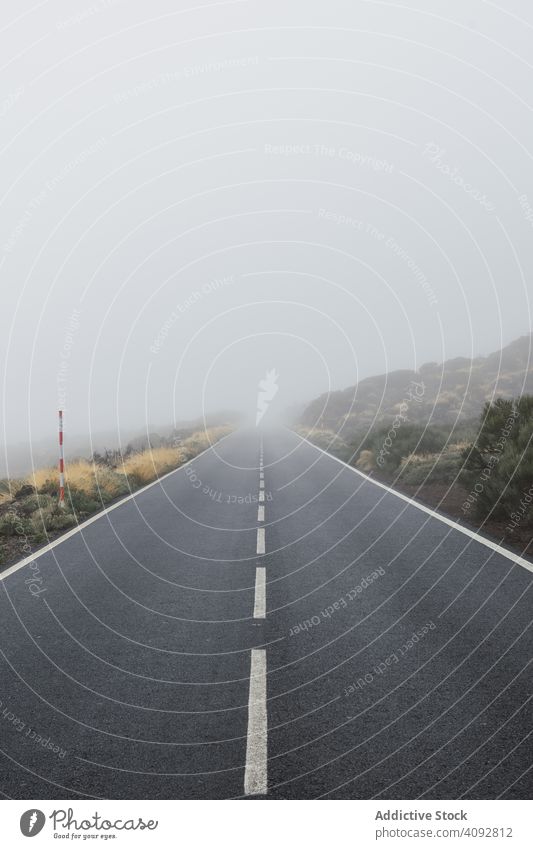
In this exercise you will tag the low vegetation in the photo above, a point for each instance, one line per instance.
(498, 467)
(414, 453)
(327, 440)
(29, 509)
(481, 470)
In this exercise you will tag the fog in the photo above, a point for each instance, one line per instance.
(193, 198)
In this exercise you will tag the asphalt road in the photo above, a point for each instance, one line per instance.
(371, 651)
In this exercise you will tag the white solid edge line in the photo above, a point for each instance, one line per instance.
(261, 496)
(260, 540)
(45, 549)
(255, 773)
(505, 552)
(260, 514)
(260, 593)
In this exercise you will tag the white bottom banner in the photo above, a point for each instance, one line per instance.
(239, 824)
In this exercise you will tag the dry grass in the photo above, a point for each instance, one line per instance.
(202, 439)
(89, 487)
(325, 439)
(366, 462)
(80, 475)
(95, 480)
(109, 482)
(146, 466)
(413, 459)
(42, 478)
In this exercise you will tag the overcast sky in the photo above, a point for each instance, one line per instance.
(193, 196)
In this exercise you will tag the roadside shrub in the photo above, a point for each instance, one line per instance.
(390, 445)
(29, 508)
(14, 524)
(29, 505)
(49, 519)
(45, 480)
(498, 466)
(194, 445)
(442, 468)
(144, 467)
(6, 490)
(109, 484)
(80, 477)
(366, 462)
(327, 440)
(80, 503)
(100, 483)
(24, 490)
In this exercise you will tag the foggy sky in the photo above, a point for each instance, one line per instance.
(196, 193)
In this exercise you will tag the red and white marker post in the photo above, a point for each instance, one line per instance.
(61, 464)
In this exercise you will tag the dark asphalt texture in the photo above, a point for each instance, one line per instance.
(135, 658)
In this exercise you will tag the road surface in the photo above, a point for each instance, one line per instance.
(275, 629)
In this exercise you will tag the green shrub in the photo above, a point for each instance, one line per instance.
(49, 487)
(31, 503)
(390, 445)
(498, 466)
(442, 468)
(50, 518)
(14, 524)
(82, 504)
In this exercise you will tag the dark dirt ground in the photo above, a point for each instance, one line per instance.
(449, 500)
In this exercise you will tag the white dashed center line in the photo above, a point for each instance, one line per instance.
(260, 514)
(260, 540)
(261, 496)
(255, 773)
(260, 593)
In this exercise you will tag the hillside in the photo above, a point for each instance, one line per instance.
(455, 390)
